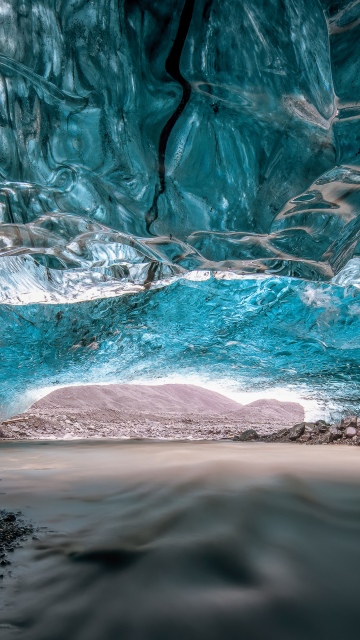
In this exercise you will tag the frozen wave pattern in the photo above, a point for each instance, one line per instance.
(131, 118)
(203, 155)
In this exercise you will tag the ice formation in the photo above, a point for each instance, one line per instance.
(179, 191)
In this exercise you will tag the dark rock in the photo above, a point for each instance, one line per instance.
(296, 431)
(305, 438)
(338, 426)
(321, 423)
(12, 530)
(245, 436)
(309, 427)
(10, 517)
(349, 421)
(282, 433)
(334, 434)
(320, 427)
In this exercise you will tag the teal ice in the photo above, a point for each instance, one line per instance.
(180, 194)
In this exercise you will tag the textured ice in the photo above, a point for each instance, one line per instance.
(143, 143)
(260, 332)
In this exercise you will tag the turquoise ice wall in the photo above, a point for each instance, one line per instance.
(144, 144)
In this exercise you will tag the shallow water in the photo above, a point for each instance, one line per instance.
(182, 540)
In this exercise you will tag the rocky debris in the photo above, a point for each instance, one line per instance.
(305, 437)
(50, 425)
(296, 431)
(349, 421)
(93, 424)
(246, 436)
(345, 432)
(13, 531)
(282, 433)
(321, 425)
(350, 432)
(324, 438)
(334, 433)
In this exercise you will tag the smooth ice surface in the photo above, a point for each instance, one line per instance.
(143, 144)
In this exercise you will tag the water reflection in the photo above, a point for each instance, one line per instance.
(160, 541)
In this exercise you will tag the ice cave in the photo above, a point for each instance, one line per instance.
(180, 194)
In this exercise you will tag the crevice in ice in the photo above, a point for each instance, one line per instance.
(172, 66)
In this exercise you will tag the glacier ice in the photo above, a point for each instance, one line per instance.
(144, 142)
(259, 331)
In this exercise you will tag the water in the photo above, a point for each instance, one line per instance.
(175, 540)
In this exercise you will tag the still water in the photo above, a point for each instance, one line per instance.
(175, 541)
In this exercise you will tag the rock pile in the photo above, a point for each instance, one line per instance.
(13, 531)
(345, 432)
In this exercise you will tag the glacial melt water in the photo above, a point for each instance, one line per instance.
(152, 541)
(179, 192)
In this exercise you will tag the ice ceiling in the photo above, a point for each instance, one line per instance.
(179, 192)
